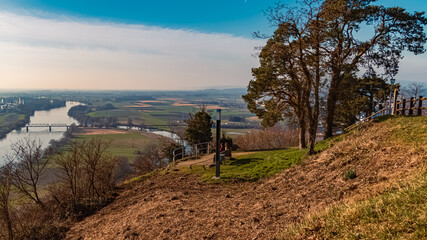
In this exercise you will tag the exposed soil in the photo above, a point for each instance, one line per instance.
(179, 206)
(210, 107)
(183, 103)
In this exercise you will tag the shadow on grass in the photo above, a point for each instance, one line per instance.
(240, 162)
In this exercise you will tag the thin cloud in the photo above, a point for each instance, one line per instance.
(47, 53)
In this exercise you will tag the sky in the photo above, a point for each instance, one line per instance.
(141, 45)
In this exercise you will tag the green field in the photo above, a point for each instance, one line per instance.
(124, 145)
(9, 119)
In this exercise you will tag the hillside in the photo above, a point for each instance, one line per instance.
(367, 163)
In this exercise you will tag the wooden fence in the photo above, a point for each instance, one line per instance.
(412, 107)
(381, 112)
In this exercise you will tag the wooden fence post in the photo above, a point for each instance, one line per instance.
(403, 106)
(395, 107)
(420, 106)
(173, 159)
(411, 106)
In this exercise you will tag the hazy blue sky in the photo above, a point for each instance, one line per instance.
(131, 44)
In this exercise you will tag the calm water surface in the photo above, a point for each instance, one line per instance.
(57, 115)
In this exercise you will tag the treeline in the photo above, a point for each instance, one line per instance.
(39, 104)
(80, 114)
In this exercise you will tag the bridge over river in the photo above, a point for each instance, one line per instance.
(46, 125)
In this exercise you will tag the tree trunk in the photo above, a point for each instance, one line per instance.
(316, 108)
(8, 221)
(331, 105)
(302, 130)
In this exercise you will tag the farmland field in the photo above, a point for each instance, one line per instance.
(123, 143)
(166, 110)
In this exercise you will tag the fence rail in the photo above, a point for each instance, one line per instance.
(381, 112)
(400, 106)
(190, 151)
(415, 108)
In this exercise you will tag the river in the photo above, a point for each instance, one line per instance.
(53, 116)
(56, 115)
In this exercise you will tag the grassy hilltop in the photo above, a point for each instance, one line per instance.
(370, 183)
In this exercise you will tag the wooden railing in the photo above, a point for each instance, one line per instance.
(381, 112)
(415, 107)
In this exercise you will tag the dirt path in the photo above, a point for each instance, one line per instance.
(205, 159)
(179, 206)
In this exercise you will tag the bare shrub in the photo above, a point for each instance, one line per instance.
(150, 159)
(87, 173)
(122, 169)
(37, 223)
(28, 166)
(86, 179)
(268, 138)
(178, 129)
(167, 146)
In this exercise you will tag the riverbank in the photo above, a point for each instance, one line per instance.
(17, 120)
(12, 121)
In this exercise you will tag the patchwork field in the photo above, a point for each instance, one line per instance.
(165, 110)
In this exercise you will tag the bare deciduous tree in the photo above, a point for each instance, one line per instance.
(5, 188)
(416, 88)
(149, 160)
(98, 167)
(29, 166)
(70, 169)
(86, 171)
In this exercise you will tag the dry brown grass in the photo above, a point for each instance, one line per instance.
(178, 206)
